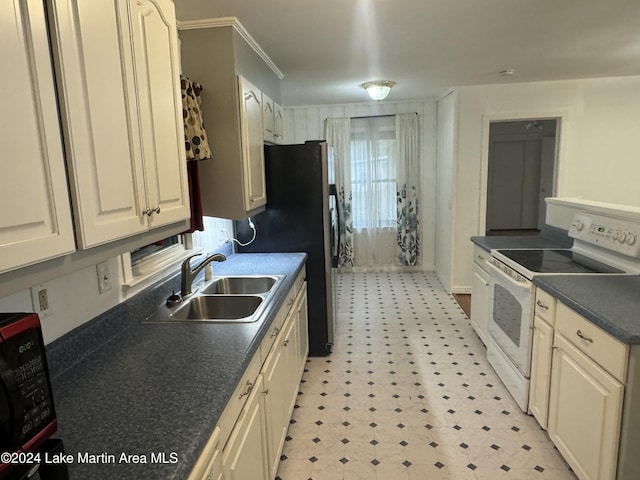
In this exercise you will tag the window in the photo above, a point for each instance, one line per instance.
(154, 249)
(153, 260)
(373, 172)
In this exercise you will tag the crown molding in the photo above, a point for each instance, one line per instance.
(235, 23)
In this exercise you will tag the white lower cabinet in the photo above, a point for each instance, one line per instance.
(480, 291)
(209, 465)
(252, 433)
(578, 381)
(584, 413)
(244, 457)
(540, 370)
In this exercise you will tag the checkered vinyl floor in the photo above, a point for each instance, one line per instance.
(408, 394)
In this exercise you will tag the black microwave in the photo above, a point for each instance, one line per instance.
(27, 414)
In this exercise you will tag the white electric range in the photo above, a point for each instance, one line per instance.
(603, 244)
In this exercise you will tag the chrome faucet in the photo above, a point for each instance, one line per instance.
(188, 274)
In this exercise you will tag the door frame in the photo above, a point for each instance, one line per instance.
(562, 119)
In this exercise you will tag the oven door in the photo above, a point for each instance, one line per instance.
(511, 317)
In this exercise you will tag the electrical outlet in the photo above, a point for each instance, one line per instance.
(43, 299)
(40, 300)
(104, 277)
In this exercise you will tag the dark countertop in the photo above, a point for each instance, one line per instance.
(162, 387)
(612, 302)
(550, 237)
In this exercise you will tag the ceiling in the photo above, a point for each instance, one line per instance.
(327, 49)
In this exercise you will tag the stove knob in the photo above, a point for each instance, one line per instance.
(622, 237)
(579, 225)
(615, 236)
(631, 239)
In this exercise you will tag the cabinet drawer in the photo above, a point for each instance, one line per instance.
(274, 330)
(545, 306)
(609, 353)
(238, 399)
(481, 257)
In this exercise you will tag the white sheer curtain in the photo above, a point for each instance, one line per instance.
(338, 137)
(373, 177)
(408, 181)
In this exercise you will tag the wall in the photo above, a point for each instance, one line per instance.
(307, 123)
(445, 171)
(599, 147)
(74, 298)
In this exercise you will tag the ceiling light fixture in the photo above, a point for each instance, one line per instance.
(379, 89)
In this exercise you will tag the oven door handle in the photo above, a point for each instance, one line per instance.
(496, 272)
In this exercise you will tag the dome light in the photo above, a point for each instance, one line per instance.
(379, 89)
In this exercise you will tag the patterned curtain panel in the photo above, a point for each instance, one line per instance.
(337, 134)
(407, 134)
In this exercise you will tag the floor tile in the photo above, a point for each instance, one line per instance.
(408, 394)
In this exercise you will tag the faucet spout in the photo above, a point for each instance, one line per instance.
(189, 274)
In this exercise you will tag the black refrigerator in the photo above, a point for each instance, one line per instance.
(298, 218)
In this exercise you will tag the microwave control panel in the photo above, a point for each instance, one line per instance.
(27, 389)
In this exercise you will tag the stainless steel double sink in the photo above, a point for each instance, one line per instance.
(229, 299)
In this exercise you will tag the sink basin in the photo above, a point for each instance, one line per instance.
(240, 285)
(219, 308)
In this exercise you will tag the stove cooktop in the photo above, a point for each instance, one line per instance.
(557, 261)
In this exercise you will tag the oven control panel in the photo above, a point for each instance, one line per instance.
(620, 236)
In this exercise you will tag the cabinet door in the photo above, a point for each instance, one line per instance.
(278, 123)
(540, 370)
(244, 456)
(35, 220)
(252, 145)
(303, 330)
(585, 409)
(209, 465)
(215, 467)
(94, 60)
(268, 119)
(291, 335)
(158, 81)
(275, 378)
(480, 302)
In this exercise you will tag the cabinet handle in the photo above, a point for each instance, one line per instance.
(150, 211)
(275, 332)
(248, 390)
(541, 305)
(285, 343)
(581, 335)
(266, 391)
(480, 257)
(251, 200)
(290, 303)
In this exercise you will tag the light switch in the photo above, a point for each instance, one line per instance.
(104, 277)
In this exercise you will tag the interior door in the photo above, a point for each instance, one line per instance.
(514, 184)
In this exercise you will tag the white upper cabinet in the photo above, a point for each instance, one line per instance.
(35, 220)
(118, 72)
(157, 61)
(278, 119)
(268, 119)
(239, 117)
(255, 190)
